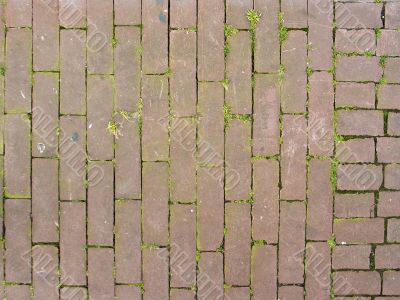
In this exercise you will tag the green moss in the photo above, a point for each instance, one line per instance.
(227, 286)
(309, 71)
(281, 73)
(254, 18)
(378, 33)
(258, 242)
(332, 242)
(113, 128)
(369, 53)
(2, 71)
(225, 84)
(283, 31)
(114, 41)
(382, 61)
(229, 30)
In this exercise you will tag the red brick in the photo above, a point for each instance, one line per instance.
(237, 293)
(387, 257)
(72, 13)
(127, 242)
(210, 277)
(294, 56)
(359, 177)
(351, 257)
(291, 293)
(20, 292)
(236, 11)
(127, 12)
(392, 175)
(18, 13)
(358, 15)
(360, 122)
(183, 13)
(45, 222)
(388, 43)
(358, 283)
(354, 205)
(128, 292)
(356, 40)
(293, 161)
(388, 97)
(237, 244)
(389, 204)
(359, 231)
(393, 124)
(155, 37)
(180, 294)
(351, 94)
(295, 13)
(264, 272)
(44, 271)
(392, 15)
(393, 230)
(356, 150)
(392, 70)
(100, 273)
(388, 150)
(358, 68)
(74, 293)
(155, 273)
(155, 203)
(391, 283)
(291, 242)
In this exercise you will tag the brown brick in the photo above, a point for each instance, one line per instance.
(155, 273)
(356, 150)
(388, 43)
(361, 95)
(183, 13)
(73, 293)
(180, 294)
(359, 177)
(360, 122)
(389, 204)
(100, 273)
(236, 11)
(392, 15)
(392, 70)
(392, 175)
(359, 231)
(264, 272)
(237, 293)
(388, 97)
(351, 257)
(291, 292)
(393, 230)
(18, 13)
(387, 257)
(358, 283)
(45, 268)
(20, 292)
(127, 12)
(127, 292)
(356, 40)
(358, 15)
(358, 68)
(72, 13)
(354, 205)
(210, 277)
(391, 283)
(393, 124)
(388, 149)
(295, 13)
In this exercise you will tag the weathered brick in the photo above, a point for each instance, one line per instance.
(72, 158)
(127, 242)
(99, 35)
(358, 283)
(359, 231)
(210, 277)
(238, 293)
(101, 206)
(183, 249)
(354, 205)
(392, 15)
(266, 130)
(155, 203)
(388, 43)
(74, 293)
(388, 97)
(73, 243)
(18, 241)
(393, 230)
(128, 292)
(45, 115)
(180, 294)
(239, 71)
(155, 37)
(360, 122)
(210, 51)
(127, 76)
(387, 149)
(45, 36)
(18, 13)
(392, 176)
(1, 209)
(18, 66)
(127, 12)
(291, 292)
(236, 11)
(183, 78)
(358, 68)
(356, 150)
(72, 72)
(358, 15)
(351, 257)
(155, 273)
(392, 70)
(295, 13)
(294, 56)
(237, 244)
(100, 273)
(44, 271)
(293, 152)
(45, 200)
(391, 283)
(387, 257)
(237, 159)
(17, 160)
(393, 127)
(72, 13)
(356, 40)
(389, 204)
(361, 95)
(359, 177)
(264, 272)
(20, 292)
(155, 118)
(291, 242)
(183, 14)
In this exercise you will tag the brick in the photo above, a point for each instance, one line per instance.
(101, 206)
(392, 70)
(210, 51)
(320, 201)
(237, 159)
(72, 158)
(239, 71)
(210, 270)
(18, 66)
(155, 118)
(2, 208)
(358, 15)
(127, 12)
(360, 122)
(128, 292)
(45, 36)
(45, 278)
(359, 231)
(387, 298)
(266, 131)
(183, 85)
(392, 175)
(351, 257)
(267, 50)
(183, 249)
(393, 124)
(392, 15)
(356, 40)
(291, 292)
(73, 242)
(356, 151)
(387, 257)
(180, 294)
(238, 293)
(388, 43)
(45, 115)
(265, 211)
(127, 76)
(99, 35)
(352, 94)
(17, 160)
(155, 273)
(127, 242)
(45, 200)
(72, 13)
(183, 13)
(389, 204)
(293, 161)
(155, 37)
(388, 149)
(291, 242)
(155, 203)
(391, 283)
(74, 293)
(237, 244)
(320, 125)
(358, 68)
(183, 160)
(72, 72)
(100, 273)
(354, 205)
(388, 97)
(359, 177)
(358, 283)
(236, 11)
(210, 222)
(295, 13)
(264, 271)
(393, 230)
(22, 292)
(294, 55)
(18, 13)
(18, 240)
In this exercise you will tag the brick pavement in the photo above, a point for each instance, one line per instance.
(211, 149)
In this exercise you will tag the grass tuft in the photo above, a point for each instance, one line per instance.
(114, 128)
(283, 31)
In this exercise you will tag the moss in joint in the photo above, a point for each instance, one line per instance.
(283, 31)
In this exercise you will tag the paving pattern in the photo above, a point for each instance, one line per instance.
(210, 149)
